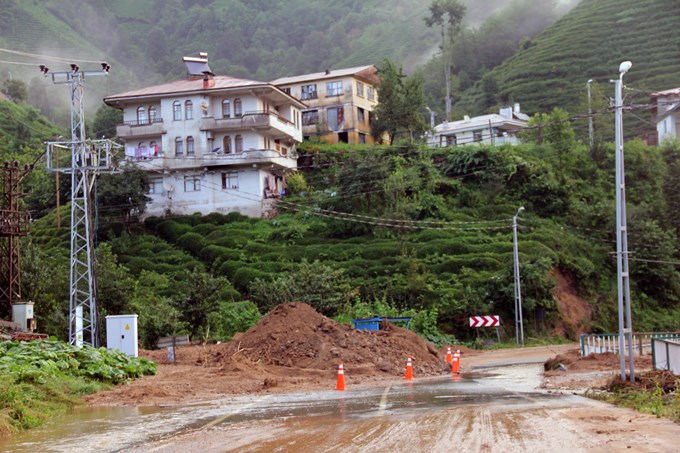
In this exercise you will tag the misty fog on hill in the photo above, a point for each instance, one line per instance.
(144, 40)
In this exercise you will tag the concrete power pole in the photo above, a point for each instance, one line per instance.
(87, 158)
(623, 274)
(519, 322)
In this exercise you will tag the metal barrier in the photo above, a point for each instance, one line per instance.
(609, 342)
(666, 354)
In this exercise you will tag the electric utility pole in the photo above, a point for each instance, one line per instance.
(87, 158)
(519, 322)
(623, 274)
(13, 224)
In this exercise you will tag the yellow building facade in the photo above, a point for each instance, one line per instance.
(339, 103)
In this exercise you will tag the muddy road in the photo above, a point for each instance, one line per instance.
(495, 406)
(494, 410)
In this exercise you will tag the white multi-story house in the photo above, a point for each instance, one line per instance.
(211, 143)
(666, 106)
(494, 129)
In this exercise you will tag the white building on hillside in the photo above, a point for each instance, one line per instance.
(211, 143)
(667, 109)
(493, 129)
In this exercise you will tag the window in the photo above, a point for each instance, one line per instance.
(360, 89)
(286, 90)
(310, 117)
(226, 109)
(362, 138)
(156, 185)
(308, 92)
(188, 110)
(192, 183)
(238, 108)
(448, 140)
(176, 111)
(238, 144)
(179, 147)
(153, 114)
(190, 146)
(141, 115)
(335, 117)
(227, 144)
(370, 93)
(477, 136)
(334, 88)
(361, 115)
(230, 180)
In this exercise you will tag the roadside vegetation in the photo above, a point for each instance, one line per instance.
(655, 392)
(41, 379)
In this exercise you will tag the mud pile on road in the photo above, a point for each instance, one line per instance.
(294, 335)
(573, 361)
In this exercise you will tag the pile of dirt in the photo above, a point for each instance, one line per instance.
(292, 348)
(294, 335)
(573, 361)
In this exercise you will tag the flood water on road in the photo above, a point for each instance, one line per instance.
(130, 428)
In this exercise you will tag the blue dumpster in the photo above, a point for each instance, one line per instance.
(374, 322)
(367, 323)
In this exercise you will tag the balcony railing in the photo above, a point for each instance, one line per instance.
(280, 127)
(144, 122)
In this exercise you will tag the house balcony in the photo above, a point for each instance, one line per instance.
(269, 123)
(209, 160)
(141, 129)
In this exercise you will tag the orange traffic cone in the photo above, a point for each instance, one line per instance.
(455, 365)
(341, 378)
(449, 359)
(409, 370)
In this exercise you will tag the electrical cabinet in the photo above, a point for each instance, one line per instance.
(22, 314)
(121, 334)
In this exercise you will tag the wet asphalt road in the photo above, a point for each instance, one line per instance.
(496, 409)
(253, 423)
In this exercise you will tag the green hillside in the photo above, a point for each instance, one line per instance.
(398, 230)
(590, 42)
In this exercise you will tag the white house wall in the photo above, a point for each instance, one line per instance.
(667, 128)
(246, 199)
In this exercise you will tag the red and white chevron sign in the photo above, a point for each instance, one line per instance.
(485, 321)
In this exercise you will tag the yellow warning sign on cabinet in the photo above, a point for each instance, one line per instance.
(127, 326)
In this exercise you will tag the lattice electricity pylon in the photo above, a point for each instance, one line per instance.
(13, 224)
(87, 158)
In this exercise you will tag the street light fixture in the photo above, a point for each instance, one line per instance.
(519, 324)
(623, 276)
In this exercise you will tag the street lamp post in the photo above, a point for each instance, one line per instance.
(519, 324)
(623, 277)
(590, 116)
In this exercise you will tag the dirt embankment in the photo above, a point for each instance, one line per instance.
(292, 348)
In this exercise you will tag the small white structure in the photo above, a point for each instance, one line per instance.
(211, 143)
(22, 314)
(667, 109)
(666, 354)
(121, 334)
(494, 129)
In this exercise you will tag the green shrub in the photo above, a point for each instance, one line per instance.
(233, 317)
(171, 230)
(244, 276)
(191, 242)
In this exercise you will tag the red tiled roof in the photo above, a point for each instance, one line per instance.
(189, 85)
